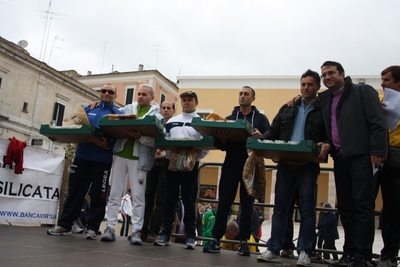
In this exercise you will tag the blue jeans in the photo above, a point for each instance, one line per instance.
(288, 177)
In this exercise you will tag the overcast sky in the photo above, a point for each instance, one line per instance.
(207, 37)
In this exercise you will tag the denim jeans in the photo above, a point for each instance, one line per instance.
(288, 178)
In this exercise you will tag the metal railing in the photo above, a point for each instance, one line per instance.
(268, 205)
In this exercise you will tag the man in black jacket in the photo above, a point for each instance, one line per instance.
(231, 175)
(302, 122)
(357, 131)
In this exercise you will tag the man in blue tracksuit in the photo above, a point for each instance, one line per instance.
(91, 168)
(231, 176)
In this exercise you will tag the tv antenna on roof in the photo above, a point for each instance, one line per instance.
(104, 53)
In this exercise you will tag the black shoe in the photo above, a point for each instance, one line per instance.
(345, 260)
(243, 248)
(213, 246)
(359, 263)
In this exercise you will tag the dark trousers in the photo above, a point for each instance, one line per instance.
(389, 180)
(355, 188)
(85, 174)
(288, 243)
(125, 225)
(155, 187)
(330, 244)
(231, 177)
(185, 183)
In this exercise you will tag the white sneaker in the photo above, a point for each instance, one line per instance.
(76, 228)
(136, 238)
(303, 259)
(268, 256)
(91, 235)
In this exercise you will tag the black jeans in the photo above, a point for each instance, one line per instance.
(85, 174)
(389, 180)
(231, 177)
(355, 189)
(155, 187)
(186, 184)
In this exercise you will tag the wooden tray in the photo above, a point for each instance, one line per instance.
(239, 130)
(71, 135)
(305, 151)
(149, 126)
(207, 143)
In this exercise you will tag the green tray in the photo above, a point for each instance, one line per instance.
(207, 143)
(239, 130)
(71, 135)
(149, 126)
(305, 151)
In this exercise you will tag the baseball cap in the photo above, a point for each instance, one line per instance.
(189, 93)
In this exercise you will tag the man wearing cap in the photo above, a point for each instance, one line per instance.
(232, 169)
(183, 182)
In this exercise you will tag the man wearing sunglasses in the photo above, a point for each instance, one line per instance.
(91, 168)
(356, 128)
(133, 158)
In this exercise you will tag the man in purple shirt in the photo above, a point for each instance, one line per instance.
(356, 127)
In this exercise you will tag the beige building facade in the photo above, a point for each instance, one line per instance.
(32, 93)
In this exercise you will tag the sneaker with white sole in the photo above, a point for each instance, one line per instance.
(304, 259)
(190, 243)
(214, 246)
(76, 228)
(109, 235)
(136, 238)
(91, 235)
(163, 240)
(58, 230)
(268, 256)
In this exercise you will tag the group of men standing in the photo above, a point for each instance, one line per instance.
(347, 121)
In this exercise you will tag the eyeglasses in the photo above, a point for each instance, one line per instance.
(330, 73)
(110, 92)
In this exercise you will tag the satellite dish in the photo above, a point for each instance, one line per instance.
(23, 43)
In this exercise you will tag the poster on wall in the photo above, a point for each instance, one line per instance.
(30, 197)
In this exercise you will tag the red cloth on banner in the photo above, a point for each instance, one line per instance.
(15, 153)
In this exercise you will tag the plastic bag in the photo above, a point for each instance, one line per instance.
(182, 160)
(254, 176)
(77, 118)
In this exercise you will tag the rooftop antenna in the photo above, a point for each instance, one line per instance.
(51, 51)
(158, 49)
(44, 43)
(104, 53)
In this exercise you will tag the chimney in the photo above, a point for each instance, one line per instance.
(140, 67)
(89, 73)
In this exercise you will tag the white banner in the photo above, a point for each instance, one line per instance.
(30, 197)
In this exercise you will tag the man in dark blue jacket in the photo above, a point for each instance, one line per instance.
(232, 169)
(91, 168)
(303, 121)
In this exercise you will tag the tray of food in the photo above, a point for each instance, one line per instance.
(303, 151)
(71, 133)
(114, 125)
(239, 130)
(168, 143)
